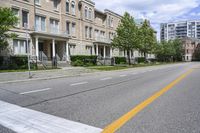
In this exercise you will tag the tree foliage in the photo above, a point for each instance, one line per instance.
(7, 21)
(147, 38)
(170, 50)
(127, 35)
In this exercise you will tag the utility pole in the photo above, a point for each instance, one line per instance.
(28, 51)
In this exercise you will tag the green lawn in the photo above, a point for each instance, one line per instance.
(111, 68)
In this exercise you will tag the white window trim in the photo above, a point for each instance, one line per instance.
(40, 22)
(73, 10)
(27, 18)
(67, 1)
(18, 16)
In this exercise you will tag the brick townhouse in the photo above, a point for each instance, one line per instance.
(60, 28)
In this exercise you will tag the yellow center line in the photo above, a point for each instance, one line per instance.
(113, 127)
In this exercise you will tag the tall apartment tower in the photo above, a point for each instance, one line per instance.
(170, 31)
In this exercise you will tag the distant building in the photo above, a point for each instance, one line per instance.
(181, 29)
(190, 45)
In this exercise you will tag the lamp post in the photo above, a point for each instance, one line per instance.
(28, 51)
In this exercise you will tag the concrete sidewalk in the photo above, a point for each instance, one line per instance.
(10, 77)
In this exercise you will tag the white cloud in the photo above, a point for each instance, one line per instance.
(157, 11)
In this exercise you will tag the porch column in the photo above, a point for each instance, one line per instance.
(111, 52)
(104, 51)
(36, 47)
(97, 50)
(53, 48)
(67, 50)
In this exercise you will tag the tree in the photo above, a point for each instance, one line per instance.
(178, 46)
(7, 21)
(147, 37)
(127, 35)
(171, 50)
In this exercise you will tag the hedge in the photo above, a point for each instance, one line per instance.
(15, 62)
(140, 59)
(81, 60)
(120, 60)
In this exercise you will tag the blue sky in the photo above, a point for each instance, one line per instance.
(157, 11)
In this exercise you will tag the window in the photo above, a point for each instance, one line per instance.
(20, 47)
(55, 4)
(86, 32)
(90, 14)
(54, 27)
(111, 22)
(90, 32)
(40, 23)
(73, 29)
(68, 28)
(72, 49)
(67, 6)
(96, 34)
(37, 2)
(73, 8)
(86, 12)
(24, 18)
(16, 13)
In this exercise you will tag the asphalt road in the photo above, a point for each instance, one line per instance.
(101, 98)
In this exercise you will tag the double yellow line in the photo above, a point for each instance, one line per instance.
(113, 127)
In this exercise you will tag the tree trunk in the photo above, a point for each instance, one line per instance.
(128, 55)
(145, 56)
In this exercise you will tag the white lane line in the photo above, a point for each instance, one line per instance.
(122, 75)
(23, 120)
(80, 83)
(106, 78)
(35, 91)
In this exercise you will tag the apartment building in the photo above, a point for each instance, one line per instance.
(181, 29)
(60, 28)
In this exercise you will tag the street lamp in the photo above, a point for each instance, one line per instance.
(28, 51)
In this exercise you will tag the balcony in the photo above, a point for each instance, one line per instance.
(102, 40)
(53, 31)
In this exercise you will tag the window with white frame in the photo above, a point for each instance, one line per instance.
(20, 47)
(68, 28)
(89, 50)
(86, 31)
(73, 7)
(86, 12)
(111, 22)
(73, 29)
(54, 26)
(25, 18)
(55, 4)
(16, 13)
(40, 23)
(37, 2)
(90, 14)
(90, 32)
(72, 49)
(96, 34)
(67, 6)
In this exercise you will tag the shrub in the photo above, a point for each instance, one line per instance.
(120, 60)
(140, 59)
(77, 63)
(80, 60)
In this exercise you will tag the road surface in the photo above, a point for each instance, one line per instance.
(159, 99)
